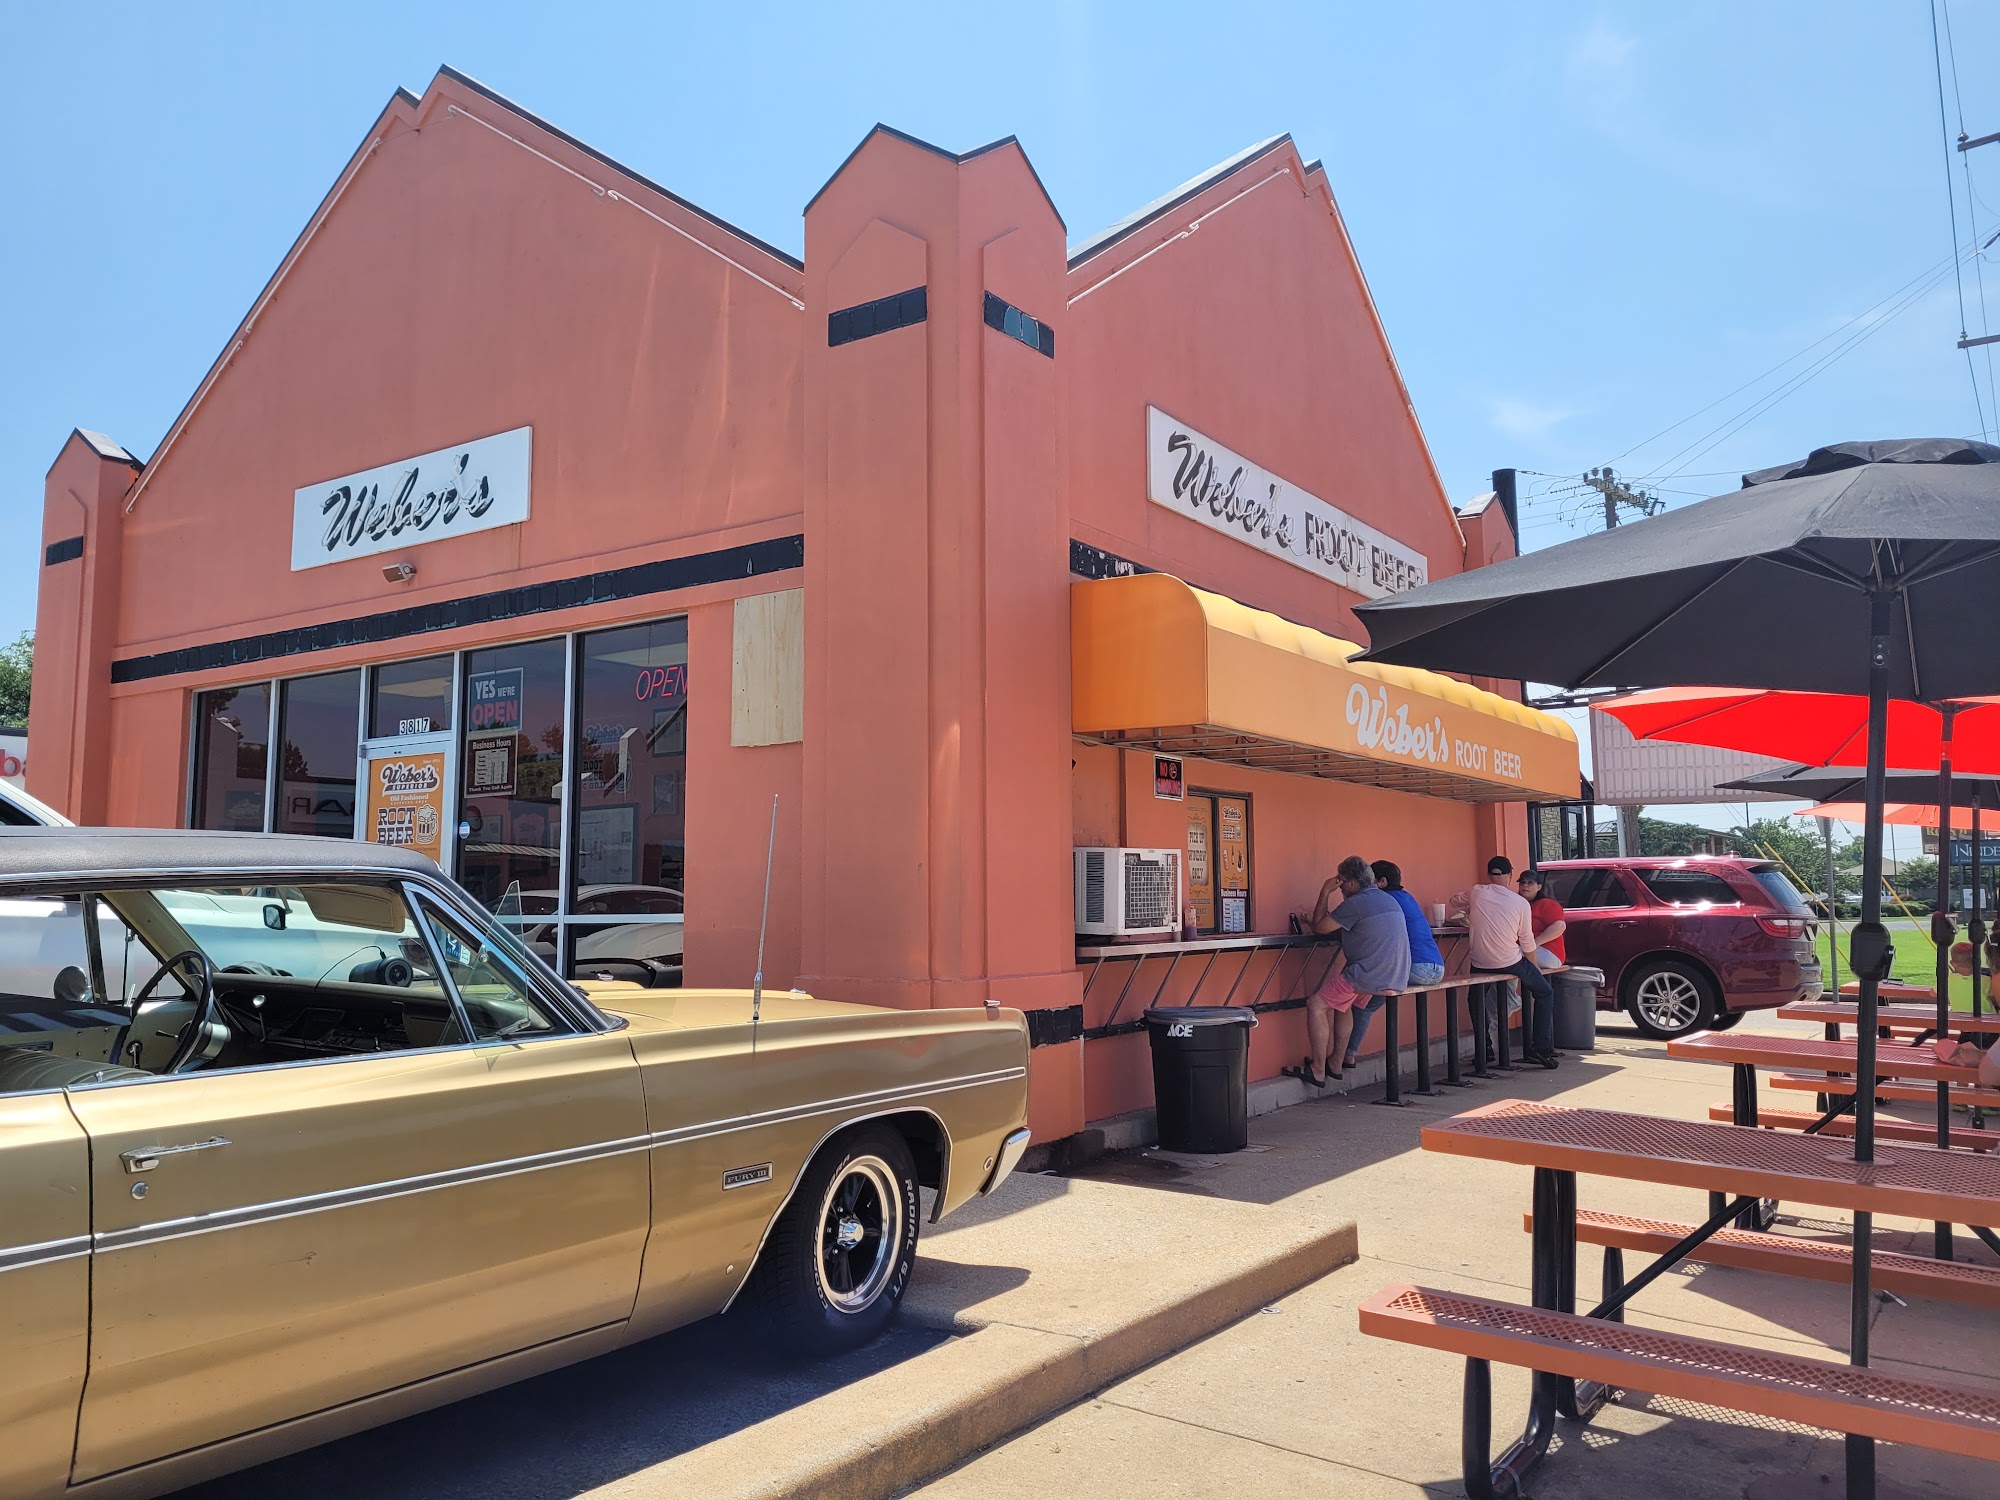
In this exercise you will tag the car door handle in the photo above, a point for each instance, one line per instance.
(145, 1158)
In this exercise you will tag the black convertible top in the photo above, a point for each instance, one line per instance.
(55, 854)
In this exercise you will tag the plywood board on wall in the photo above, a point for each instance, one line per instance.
(767, 673)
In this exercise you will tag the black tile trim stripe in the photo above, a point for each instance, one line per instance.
(1086, 561)
(69, 549)
(1005, 317)
(752, 560)
(866, 319)
(1055, 1026)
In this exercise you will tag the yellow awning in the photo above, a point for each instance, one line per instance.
(1157, 664)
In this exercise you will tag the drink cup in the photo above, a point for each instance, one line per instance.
(1437, 914)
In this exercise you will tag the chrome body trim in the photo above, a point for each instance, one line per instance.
(1011, 1151)
(20, 1257)
(806, 1111)
(401, 1187)
(243, 1215)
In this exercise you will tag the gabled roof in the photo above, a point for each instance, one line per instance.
(447, 71)
(1104, 239)
(954, 156)
(406, 104)
(104, 447)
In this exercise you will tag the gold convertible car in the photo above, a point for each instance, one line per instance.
(295, 1139)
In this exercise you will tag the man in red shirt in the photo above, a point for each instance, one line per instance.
(1545, 914)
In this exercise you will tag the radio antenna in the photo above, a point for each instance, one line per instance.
(764, 921)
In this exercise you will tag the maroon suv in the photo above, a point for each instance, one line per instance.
(1687, 943)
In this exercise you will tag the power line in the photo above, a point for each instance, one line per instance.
(1972, 221)
(1951, 203)
(1730, 426)
(1927, 272)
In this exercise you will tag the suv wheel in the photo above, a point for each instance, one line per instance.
(1669, 999)
(840, 1256)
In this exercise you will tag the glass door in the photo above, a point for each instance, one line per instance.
(407, 792)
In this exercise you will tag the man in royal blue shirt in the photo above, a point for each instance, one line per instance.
(1426, 962)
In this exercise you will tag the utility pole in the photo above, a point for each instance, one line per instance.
(1964, 146)
(1618, 494)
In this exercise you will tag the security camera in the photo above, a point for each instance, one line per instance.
(399, 572)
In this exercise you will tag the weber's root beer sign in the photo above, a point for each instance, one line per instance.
(455, 491)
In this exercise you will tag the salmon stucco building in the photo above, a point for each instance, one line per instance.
(560, 550)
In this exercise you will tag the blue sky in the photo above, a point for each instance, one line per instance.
(1582, 223)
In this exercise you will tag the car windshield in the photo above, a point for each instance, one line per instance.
(320, 932)
(1784, 895)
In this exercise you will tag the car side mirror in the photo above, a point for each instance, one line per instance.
(72, 985)
(274, 916)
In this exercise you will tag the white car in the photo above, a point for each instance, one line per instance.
(19, 810)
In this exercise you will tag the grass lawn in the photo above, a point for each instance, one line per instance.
(1916, 959)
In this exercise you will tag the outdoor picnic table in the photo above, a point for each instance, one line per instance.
(1893, 989)
(1579, 1362)
(1791, 1053)
(1919, 1182)
(1892, 1017)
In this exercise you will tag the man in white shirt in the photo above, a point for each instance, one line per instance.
(1500, 931)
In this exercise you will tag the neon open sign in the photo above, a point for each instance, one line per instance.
(661, 682)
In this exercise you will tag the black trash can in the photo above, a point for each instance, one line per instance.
(1201, 1075)
(1576, 1008)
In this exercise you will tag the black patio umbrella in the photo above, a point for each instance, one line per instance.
(1848, 784)
(1868, 568)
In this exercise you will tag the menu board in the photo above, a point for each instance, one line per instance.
(1201, 861)
(1232, 861)
(406, 801)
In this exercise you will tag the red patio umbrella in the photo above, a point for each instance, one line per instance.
(1831, 729)
(1816, 729)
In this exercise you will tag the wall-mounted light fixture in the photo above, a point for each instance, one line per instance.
(399, 572)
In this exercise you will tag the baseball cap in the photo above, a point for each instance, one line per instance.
(1499, 864)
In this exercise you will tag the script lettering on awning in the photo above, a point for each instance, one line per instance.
(1200, 478)
(451, 492)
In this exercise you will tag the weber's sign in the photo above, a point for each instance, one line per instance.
(471, 487)
(1199, 478)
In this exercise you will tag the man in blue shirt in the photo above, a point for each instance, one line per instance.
(1376, 944)
(1426, 962)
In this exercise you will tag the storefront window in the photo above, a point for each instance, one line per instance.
(631, 807)
(510, 770)
(317, 719)
(232, 733)
(410, 697)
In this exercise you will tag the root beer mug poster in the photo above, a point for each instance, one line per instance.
(406, 801)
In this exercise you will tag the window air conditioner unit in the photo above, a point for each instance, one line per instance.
(1128, 892)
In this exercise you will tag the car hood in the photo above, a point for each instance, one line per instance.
(696, 1008)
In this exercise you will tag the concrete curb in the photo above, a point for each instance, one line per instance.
(902, 1426)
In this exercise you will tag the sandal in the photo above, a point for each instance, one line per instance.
(1304, 1073)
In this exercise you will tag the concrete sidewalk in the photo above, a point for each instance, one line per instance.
(1295, 1402)
(1053, 1289)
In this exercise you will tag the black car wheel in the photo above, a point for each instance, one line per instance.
(1669, 999)
(839, 1258)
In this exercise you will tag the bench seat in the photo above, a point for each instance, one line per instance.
(1784, 1387)
(1788, 1255)
(1907, 1093)
(1912, 1131)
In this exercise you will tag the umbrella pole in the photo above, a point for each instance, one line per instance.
(1832, 912)
(1975, 928)
(1941, 931)
(1869, 957)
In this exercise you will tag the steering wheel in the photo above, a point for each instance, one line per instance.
(205, 1031)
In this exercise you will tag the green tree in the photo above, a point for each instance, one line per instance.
(1917, 878)
(1657, 836)
(17, 670)
(1793, 842)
